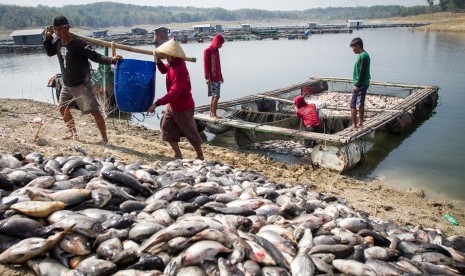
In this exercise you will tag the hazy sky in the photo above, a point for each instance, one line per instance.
(230, 4)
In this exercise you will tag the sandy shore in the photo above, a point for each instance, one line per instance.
(130, 143)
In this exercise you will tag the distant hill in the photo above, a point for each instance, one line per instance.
(109, 14)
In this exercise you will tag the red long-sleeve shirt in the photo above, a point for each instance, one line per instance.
(211, 60)
(178, 86)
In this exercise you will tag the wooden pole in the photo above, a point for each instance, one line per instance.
(125, 47)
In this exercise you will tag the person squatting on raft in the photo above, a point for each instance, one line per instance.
(212, 71)
(361, 80)
(73, 55)
(179, 115)
(309, 115)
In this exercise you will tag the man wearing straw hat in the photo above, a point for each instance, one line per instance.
(73, 56)
(179, 114)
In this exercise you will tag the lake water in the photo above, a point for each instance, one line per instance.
(432, 157)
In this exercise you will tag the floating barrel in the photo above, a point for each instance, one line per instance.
(400, 124)
(338, 158)
(134, 85)
(314, 88)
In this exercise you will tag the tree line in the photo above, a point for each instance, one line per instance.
(447, 5)
(108, 14)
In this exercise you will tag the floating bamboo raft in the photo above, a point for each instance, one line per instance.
(381, 116)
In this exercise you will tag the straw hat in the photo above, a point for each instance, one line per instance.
(171, 48)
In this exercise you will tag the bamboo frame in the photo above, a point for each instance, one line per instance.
(114, 46)
(419, 93)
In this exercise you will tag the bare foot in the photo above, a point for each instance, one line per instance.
(177, 157)
(200, 157)
(102, 142)
(360, 125)
(354, 127)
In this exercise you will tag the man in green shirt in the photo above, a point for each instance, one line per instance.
(361, 78)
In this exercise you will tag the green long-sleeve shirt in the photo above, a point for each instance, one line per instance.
(361, 75)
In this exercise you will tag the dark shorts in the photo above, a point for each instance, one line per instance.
(174, 123)
(358, 100)
(214, 89)
(81, 95)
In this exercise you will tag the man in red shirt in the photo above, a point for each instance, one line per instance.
(212, 70)
(309, 116)
(179, 114)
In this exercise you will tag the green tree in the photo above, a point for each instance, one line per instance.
(443, 4)
(430, 3)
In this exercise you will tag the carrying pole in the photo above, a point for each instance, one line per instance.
(125, 47)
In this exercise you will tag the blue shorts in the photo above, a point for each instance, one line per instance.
(358, 100)
(214, 89)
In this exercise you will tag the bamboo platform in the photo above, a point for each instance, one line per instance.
(417, 95)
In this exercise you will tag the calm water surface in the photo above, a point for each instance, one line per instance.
(430, 157)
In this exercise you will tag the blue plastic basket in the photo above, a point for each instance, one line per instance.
(134, 85)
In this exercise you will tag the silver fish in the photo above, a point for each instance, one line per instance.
(30, 248)
(302, 265)
(353, 268)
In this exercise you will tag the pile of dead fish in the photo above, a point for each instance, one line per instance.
(82, 216)
(282, 147)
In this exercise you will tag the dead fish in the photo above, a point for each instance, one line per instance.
(109, 249)
(302, 265)
(75, 244)
(50, 267)
(354, 224)
(178, 229)
(381, 253)
(30, 248)
(68, 197)
(135, 272)
(191, 271)
(228, 269)
(72, 164)
(321, 265)
(274, 271)
(251, 268)
(83, 225)
(339, 250)
(95, 266)
(126, 180)
(433, 257)
(259, 255)
(213, 235)
(126, 257)
(353, 268)
(23, 227)
(201, 251)
(44, 182)
(38, 209)
(6, 183)
(52, 167)
(383, 268)
(143, 230)
(111, 233)
(100, 197)
(148, 262)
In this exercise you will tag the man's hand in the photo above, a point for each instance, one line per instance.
(356, 90)
(49, 32)
(115, 58)
(152, 108)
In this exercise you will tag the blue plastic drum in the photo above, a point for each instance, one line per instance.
(134, 85)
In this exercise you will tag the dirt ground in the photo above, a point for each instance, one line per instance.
(21, 132)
